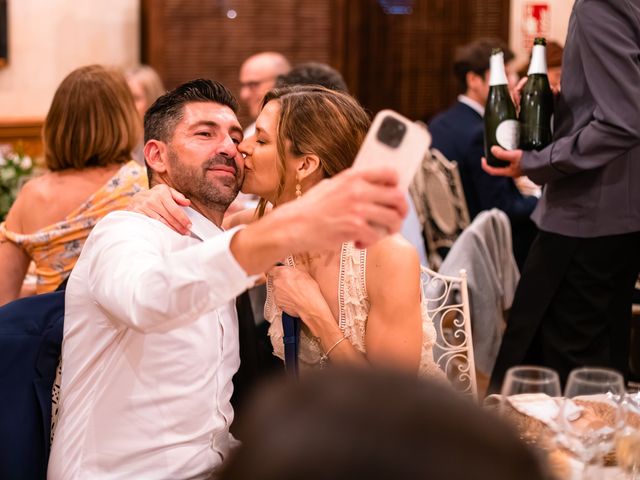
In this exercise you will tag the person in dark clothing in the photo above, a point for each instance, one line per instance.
(573, 304)
(458, 134)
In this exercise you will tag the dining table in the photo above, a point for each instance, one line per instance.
(535, 417)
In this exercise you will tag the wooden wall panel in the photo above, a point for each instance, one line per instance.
(404, 61)
(186, 39)
(389, 61)
(24, 133)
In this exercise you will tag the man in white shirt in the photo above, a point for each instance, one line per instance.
(150, 337)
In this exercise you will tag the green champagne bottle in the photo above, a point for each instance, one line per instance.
(500, 122)
(536, 102)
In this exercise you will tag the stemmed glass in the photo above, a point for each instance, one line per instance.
(586, 435)
(628, 438)
(527, 380)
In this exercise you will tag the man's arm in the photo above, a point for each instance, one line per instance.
(610, 57)
(148, 289)
(360, 206)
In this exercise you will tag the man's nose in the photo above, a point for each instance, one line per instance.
(228, 147)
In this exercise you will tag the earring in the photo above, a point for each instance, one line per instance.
(298, 189)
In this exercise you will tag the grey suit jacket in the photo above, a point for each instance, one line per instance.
(591, 171)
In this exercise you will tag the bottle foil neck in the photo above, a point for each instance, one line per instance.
(497, 76)
(538, 60)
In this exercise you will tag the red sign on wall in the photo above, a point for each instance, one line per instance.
(536, 22)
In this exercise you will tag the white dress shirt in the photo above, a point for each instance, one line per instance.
(150, 347)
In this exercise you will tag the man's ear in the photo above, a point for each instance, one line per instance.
(308, 165)
(155, 155)
(474, 80)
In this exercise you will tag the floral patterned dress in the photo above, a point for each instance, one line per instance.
(56, 248)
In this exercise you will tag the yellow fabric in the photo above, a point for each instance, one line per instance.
(56, 248)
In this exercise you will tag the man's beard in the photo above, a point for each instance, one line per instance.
(194, 183)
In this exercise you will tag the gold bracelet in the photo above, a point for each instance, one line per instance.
(324, 358)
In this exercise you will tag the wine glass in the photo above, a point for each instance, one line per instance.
(529, 379)
(530, 388)
(628, 437)
(581, 430)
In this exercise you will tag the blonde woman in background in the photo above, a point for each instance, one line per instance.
(146, 86)
(89, 133)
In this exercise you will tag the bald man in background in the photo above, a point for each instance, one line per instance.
(257, 76)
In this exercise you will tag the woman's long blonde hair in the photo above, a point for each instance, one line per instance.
(318, 121)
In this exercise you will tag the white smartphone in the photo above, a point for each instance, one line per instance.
(395, 141)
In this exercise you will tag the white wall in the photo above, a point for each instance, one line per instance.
(559, 12)
(49, 38)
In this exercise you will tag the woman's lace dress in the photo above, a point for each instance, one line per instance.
(354, 306)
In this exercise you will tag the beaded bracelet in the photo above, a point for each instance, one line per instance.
(324, 358)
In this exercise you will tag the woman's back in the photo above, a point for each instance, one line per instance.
(50, 198)
(88, 134)
(55, 213)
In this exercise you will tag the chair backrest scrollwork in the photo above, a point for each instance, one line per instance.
(447, 302)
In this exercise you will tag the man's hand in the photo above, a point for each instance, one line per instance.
(163, 203)
(356, 205)
(512, 156)
(516, 93)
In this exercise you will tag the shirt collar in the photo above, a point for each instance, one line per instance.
(201, 227)
(471, 103)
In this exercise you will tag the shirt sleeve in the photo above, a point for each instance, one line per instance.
(144, 285)
(610, 55)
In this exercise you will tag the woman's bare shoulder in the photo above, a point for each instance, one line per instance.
(50, 197)
(392, 263)
(33, 196)
(392, 250)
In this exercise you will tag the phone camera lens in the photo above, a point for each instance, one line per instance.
(391, 132)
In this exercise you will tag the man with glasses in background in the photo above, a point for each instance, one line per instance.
(257, 76)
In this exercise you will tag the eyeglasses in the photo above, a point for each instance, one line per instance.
(253, 84)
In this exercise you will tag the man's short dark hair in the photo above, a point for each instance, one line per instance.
(163, 115)
(313, 73)
(474, 57)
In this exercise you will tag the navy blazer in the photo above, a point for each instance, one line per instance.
(30, 341)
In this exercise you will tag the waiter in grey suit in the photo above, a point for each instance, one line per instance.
(573, 303)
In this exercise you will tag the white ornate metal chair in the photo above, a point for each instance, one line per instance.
(447, 302)
(440, 204)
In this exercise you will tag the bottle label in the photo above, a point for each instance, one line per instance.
(508, 134)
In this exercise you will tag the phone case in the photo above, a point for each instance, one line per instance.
(405, 157)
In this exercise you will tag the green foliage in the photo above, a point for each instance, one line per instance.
(15, 168)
